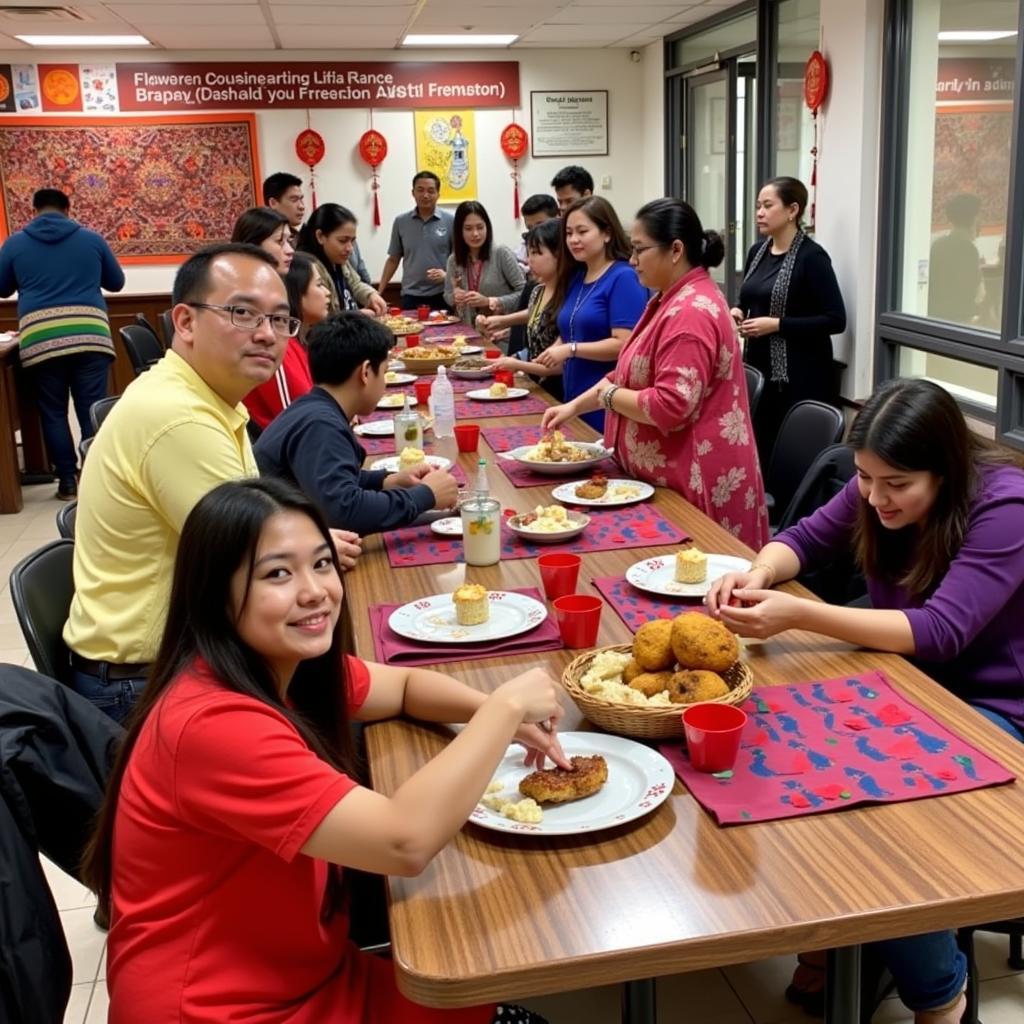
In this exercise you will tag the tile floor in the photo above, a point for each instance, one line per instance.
(743, 994)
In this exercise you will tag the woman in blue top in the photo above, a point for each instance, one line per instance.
(598, 296)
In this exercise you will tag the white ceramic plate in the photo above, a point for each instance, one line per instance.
(579, 521)
(433, 619)
(657, 575)
(567, 493)
(395, 401)
(376, 428)
(598, 453)
(397, 365)
(391, 462)
(471, 350)
(483, 395)
(482, 374)
(450, 526)
(401, 378)
(639, 779)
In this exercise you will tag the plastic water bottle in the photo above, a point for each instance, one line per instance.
(481, 490)
(442, 400)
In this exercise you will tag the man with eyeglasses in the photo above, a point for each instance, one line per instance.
(177, 432)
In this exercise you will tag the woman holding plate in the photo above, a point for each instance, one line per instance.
(676, 402)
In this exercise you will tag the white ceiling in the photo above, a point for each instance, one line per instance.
(355, 24)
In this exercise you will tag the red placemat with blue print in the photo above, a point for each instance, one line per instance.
(640, 526)
(826, 745)
(635, 607)
(474, 409)
(503, 439)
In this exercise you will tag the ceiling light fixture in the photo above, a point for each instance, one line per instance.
(975, 36)
(85, 40)
(449, 39)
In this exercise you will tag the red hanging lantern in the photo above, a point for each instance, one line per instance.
(816, 79)
(514, 143)
(310, 149)
(373, 147)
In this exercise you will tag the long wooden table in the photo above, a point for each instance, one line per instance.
(499, 916)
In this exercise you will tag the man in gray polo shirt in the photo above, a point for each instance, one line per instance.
(421, 240)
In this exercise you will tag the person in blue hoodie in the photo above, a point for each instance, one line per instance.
(58, 268)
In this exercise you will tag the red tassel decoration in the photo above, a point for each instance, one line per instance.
(515, 193)
(376, 206)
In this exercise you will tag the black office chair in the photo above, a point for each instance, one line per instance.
(99, 411)
(142, 321)
(42, 586)
(66, 516)
(809, 428)
(143, 347)
(167, 327)
(755, 386)
(83, 448)
(1015, 961)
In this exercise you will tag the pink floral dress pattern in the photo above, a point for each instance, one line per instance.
(684, 362)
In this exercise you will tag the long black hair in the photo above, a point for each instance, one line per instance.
(460, 248)
(326, 219)
(257, 224)
(220, 536)
(916, 426)
(665, 221)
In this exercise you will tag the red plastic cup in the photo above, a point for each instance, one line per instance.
(395, 310)
(713, 734)
(412, 340)
(579, 618)
(422, 312)
(422, 388)
(493, 353)
(467, 436)
(559, 573)
(504, 377)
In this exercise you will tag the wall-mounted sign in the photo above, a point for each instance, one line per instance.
(274, 85)
(569, 123)
(975, 79)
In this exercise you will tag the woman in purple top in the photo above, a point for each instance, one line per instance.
(598, 297)
(933, 516)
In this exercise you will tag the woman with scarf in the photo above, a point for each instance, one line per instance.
(790, 306)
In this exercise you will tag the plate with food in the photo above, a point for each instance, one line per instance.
(555, 456)
(614, 780)
(375, 428)
(599, 490)
(393, 378)
(440, 317)
(548, 525)
(497, 392)
(472, 368)
(469, 350)
(401, 325)
(472, 614)
(410, 458)
(450, 526)
(688, 573)
(395, 401)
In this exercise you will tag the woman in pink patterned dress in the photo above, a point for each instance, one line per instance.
(677, 398)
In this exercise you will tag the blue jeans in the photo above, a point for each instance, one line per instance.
(114, 697)
(997, 719)
(929, 970)
(83, 376)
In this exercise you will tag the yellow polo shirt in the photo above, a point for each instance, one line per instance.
(167, 441)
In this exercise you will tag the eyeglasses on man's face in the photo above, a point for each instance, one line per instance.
(247, 319)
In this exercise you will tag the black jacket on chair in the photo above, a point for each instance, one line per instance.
(56, 750)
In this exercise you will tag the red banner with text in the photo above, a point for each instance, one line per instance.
(270, 85)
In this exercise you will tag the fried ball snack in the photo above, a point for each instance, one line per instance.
(698, 641)
(650, 683)
(652, 645)
(689, 686)
(558, 786)
(631, 671)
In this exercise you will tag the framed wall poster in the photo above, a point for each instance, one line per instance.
(570, 123)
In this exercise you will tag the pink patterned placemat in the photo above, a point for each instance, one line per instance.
(641, 526)
(635, 607)
(393, 649)
(826, 745)
(474, 409)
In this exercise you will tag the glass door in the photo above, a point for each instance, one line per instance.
(707, 156)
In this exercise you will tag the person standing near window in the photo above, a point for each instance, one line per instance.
(790, 306)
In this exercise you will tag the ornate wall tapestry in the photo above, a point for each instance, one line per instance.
(157, 188)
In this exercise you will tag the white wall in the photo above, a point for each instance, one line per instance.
(634, 164)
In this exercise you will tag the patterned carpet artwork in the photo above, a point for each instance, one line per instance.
(156, 188)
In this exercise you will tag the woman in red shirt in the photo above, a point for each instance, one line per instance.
(233, 806)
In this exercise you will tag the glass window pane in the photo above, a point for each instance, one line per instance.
(702, 47)
(794, 125)
(957, 164)
(966, 381)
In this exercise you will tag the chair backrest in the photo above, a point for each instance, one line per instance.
(831, 470)
(143, 347)
(42, 586)
(66, 516)
(809, 428)
(167, 327)
(142, 321)
(755, 385)
(99, 411)
(84, 446)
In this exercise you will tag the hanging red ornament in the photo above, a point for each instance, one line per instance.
(514, 143)
(310, 149)
(816, 80)
(373, 147)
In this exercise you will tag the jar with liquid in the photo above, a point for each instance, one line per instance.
(481, 523)
(408, 428)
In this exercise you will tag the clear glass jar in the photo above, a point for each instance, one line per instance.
(481, 530)
(408, 429)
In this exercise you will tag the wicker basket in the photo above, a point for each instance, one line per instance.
(649, 723)
(425, 366)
